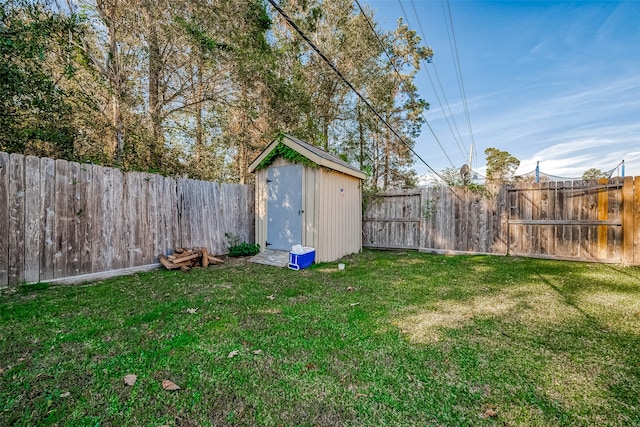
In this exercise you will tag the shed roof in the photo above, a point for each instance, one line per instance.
(311, 152)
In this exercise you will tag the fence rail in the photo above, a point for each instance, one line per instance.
(576, 220)
(61, 219)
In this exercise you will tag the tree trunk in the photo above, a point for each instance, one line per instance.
(199, 146)
(155, 71)
(387, 148)
(361, 134)
(113, 72)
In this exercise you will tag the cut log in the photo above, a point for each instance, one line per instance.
(171, 266)
(214, 260)
(205, 258)
(185, 258)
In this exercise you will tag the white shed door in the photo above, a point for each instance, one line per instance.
(284, 207)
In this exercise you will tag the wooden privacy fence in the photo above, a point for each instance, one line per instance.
(575, 220)
(60, 219)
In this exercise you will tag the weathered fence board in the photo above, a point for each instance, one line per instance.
(566, 220)
(4, 219)
(32, 220)
(16, 218)
(48, 217)
(636, 222)
(61, 219)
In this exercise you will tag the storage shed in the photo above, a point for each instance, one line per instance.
(307, 196)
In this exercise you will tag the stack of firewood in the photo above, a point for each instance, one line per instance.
(186, 259)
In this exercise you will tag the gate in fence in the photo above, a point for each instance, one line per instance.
(574, 220)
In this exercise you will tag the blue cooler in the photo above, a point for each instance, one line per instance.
(301, 257)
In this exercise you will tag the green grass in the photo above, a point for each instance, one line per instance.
(401, 339)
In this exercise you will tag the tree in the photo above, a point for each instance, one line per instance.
(34, 110)
(451, 177)
(593, 174)
(501, 165)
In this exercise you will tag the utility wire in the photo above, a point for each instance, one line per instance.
(348, 83)
(464, 153)
(454, 46)
(384, 49)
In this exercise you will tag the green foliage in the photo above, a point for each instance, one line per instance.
(287, 153)
(479, 189)
(501, 165)
(206, 43)
(198, 88)
(35, 115)
(593, 174)
(237, 248)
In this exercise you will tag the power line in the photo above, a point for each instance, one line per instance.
(457, 139)
(384, 49)
(458, 68)
(347, 82)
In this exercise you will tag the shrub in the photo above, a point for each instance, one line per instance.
(237, 248)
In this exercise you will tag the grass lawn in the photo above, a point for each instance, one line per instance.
(403, 339)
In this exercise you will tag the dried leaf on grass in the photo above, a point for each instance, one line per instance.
(358, 395)
(169, 385)
(256, 351)
(353, 304)
(130, 379)
(192, 310)
(65, 394)
(234, 353)
(489, 413)
(271, 297)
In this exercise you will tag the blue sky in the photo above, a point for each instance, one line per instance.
(557, 82)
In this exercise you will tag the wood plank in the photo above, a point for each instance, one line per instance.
(627, 220)
(63, 207)
(576, 230)
(603, 215)
(16, 219)
(215, 260)
(150, 239)
(577, 222)
(84, 203)
(32, 220)
(536, 200)
(159, 216)
(98, 187)
(186, 258)
(501, 224)
(118, 222)
(614, 235)
(636, 220)
(48, 216)
(205, 258)
(136, 187)
(108, 225)
(170, 265)
(73, 257)
(392, 219)
(550, 246)
(4, 219)
(543, 214)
